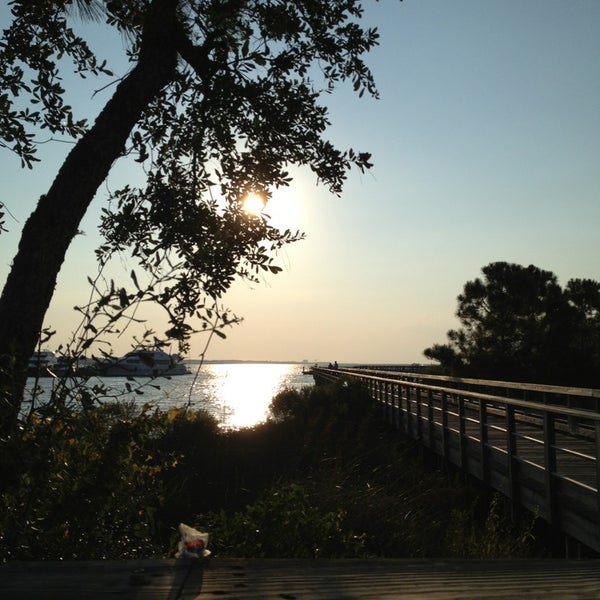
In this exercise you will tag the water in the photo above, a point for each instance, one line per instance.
(237, 394)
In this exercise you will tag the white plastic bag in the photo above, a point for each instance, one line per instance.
(192, 544)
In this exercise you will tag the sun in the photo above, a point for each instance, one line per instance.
(282, 210)
(253, 204)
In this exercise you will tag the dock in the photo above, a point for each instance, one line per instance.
(292, 579)
(538, 445)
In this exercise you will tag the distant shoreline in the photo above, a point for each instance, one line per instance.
(383, 366)
(252, 362)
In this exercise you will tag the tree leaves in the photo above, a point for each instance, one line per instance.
(239, 112)
(39, 37)
(519, 324)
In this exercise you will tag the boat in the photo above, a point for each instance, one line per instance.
(145, 363)
(40, 362)
(71, 366)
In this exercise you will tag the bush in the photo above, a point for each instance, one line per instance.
(286, 522)
(353, 488)
(90, 485)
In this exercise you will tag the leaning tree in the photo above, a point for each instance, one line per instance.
(223, 96)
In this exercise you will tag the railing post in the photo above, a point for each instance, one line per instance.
(408, 421)
(483, 442)
(395, 403)
(419, 424)
(401, 414)
(511, 452)
(393, 409)
(571, 420)
(461, 432)
(550, 465)
(444, 407)
(597, 440)
(430, 419)
(386, 402)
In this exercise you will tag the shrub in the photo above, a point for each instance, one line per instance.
(90, 485)
(286, 522)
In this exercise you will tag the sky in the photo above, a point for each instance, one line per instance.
(486, 147)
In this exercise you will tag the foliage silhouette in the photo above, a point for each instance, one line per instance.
(518, 324)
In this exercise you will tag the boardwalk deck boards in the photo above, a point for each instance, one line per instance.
(286, 579)
(401, 579)
(95, 580)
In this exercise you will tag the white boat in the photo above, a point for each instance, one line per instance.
(40, 362)
(145, 363)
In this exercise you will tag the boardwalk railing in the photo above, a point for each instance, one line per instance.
(539, 445)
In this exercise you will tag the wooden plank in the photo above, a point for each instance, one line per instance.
(400, 579)
(290, 579)
(94, 580)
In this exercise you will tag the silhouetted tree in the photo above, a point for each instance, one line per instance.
(583, 296)
(519, 324)
(223, 96)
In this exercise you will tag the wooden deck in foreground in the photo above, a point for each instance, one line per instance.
(284, 579)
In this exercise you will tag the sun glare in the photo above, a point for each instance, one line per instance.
(281, 209)
(254, 204)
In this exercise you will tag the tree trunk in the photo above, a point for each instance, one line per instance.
(53, 224)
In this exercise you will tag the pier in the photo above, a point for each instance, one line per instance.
(539, 445)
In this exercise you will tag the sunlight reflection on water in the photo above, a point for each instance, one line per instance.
(237, 394)
(244, 391)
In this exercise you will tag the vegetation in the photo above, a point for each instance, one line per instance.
(324, 477)
(222, 99)
(518, 324)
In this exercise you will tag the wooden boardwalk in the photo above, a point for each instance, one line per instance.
(287, 579)
(538, 445)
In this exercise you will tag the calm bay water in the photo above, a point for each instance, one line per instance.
(237, 394)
